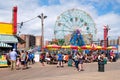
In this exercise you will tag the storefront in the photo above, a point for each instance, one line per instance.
(4, 49)
(7, 43)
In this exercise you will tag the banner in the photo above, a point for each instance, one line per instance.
(6, 28)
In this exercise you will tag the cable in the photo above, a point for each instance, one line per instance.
(26, 21)
(29, 20)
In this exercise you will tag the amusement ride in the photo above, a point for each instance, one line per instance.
(75, 27)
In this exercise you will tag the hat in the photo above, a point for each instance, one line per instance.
(14, 49)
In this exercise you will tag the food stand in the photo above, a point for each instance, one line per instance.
(4, 49)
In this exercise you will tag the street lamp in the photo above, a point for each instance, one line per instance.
(42, 17)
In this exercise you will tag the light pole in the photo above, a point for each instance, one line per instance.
(42, 17)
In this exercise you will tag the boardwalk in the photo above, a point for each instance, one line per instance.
(50, 72)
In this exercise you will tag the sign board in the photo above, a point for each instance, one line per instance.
(3, 61)
(6, 28)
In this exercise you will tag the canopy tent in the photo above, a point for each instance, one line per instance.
(5, 45)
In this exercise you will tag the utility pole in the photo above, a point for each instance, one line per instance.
(42, 17)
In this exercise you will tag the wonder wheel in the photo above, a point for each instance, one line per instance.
(72, 20)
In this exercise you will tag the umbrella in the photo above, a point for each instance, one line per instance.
(104, 48)
(112, 47)
(70, 47)
(86, 47)
(53, 46)
(98, 47)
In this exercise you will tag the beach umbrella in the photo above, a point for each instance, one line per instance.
(112, 47)
(54, 49)
(53, 46)
(104, 48)
(64, 47)
(86, 47)
(98, 47)
(70, 47)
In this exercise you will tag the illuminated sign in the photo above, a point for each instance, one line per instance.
(6, 28)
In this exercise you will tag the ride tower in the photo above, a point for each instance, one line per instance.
(77, 39)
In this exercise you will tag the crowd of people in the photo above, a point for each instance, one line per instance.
(22, 59)
(19, 59)
(76, 58)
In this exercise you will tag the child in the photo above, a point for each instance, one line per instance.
(18, 63)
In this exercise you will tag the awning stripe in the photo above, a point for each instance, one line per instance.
(8, 39)
(4, 45)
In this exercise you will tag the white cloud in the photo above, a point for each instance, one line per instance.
(28, 9)
(110, 19)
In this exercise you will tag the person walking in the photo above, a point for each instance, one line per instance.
(42, 57)
(13, 57)
(18, 61)
(32, 57)
(60, 59)
(76, 62)
(80, 60)
(23, 59)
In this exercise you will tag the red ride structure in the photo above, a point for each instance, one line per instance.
(106, 29)
(15, 20)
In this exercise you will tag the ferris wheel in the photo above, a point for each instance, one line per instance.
(74, 19)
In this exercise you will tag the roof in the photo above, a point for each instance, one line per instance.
(20, 40)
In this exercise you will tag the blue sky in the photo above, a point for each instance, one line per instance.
(103, 12)
(49, 2)
(107, 7)
(102, 6)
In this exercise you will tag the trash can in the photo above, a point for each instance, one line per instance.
(101, 66)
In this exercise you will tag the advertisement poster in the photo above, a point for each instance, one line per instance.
(3, 61)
